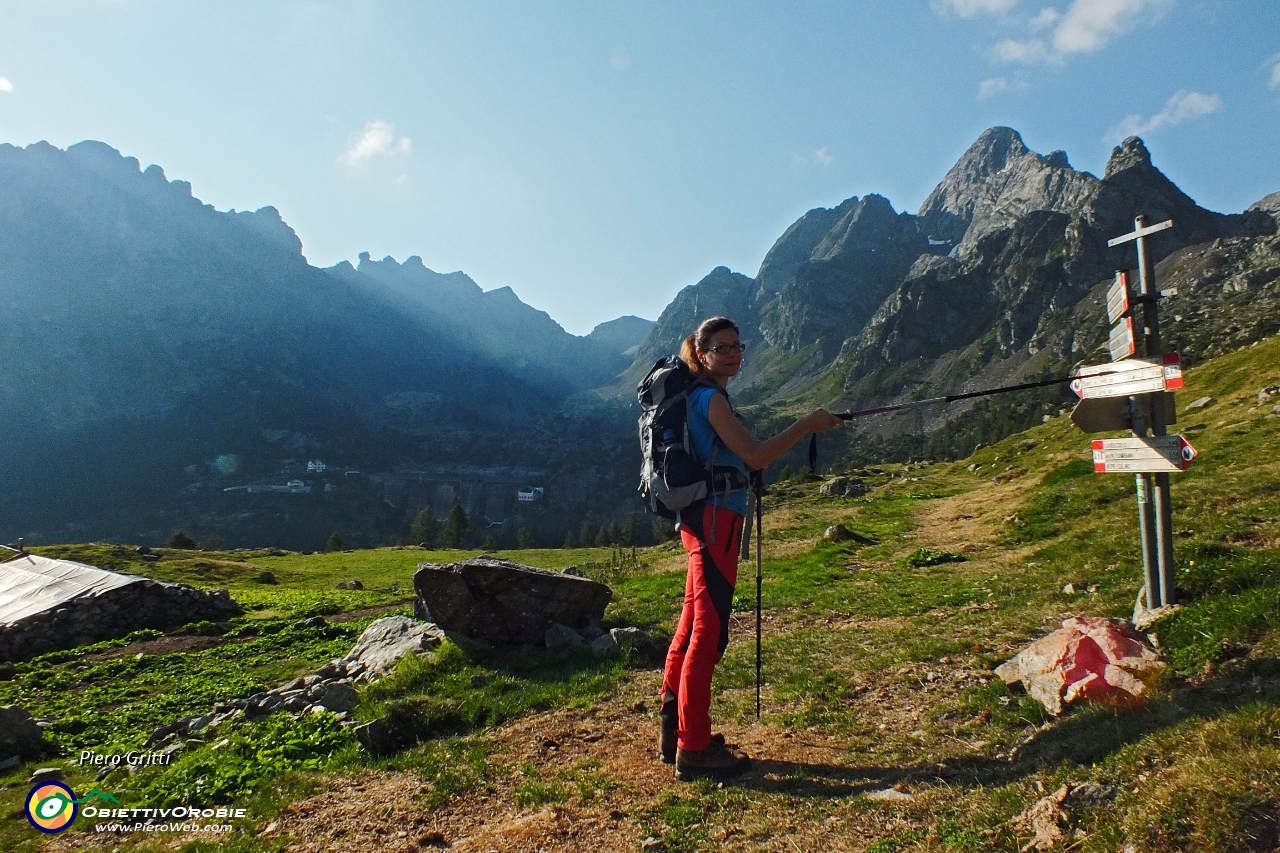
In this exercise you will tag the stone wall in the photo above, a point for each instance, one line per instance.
(112, 614)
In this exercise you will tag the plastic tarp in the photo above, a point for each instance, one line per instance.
(30, 584)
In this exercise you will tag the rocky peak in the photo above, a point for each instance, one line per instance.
(868, 224)
(719, 292)
(795, 246)
(1133, 185)
(994, 183)
(267, 222)
(1130, 154)
(622, 335)
(1268, 203)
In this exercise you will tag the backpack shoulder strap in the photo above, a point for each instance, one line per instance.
(717, 441)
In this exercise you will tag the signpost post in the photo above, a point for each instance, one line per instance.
(1133, 393)
(1162, 509)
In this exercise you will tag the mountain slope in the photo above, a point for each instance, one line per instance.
(157, 351)
(858, 305)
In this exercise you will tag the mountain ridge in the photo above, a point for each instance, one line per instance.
(165, 351)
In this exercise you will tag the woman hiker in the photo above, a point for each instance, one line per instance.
(711, 533)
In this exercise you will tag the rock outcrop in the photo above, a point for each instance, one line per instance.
(1087, 658)
(390, 638)
(19, 733)
(504, 602)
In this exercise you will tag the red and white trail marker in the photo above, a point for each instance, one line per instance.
(1128, 378)
(1153, 454)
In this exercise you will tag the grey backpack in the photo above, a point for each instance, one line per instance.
(671, 477)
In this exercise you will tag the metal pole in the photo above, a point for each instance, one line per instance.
(759, 489)
(1162, 510)
(1150, 552)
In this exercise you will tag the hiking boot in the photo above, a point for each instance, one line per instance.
(667, 738)
(718, 759)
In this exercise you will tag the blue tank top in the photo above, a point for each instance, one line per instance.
(703, 437)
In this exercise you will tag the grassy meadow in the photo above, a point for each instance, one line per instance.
(878, 650)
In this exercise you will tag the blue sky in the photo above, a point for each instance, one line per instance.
(598, 156)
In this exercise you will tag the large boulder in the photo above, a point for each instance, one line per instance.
(390, 638)
(19, 734)
(505, 602)
(1087, 658)
(844, 487)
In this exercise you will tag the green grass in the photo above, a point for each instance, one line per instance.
(864, 638)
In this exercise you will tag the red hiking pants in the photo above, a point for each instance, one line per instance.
(712, 537)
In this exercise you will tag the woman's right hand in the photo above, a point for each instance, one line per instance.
(820, 420)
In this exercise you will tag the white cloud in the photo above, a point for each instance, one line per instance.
(1012, 50)
(1274, 62)
(1086, 26)
(378, 139)
(819, 157)
(969, 8)
(993, 86)
(1047, 17)
(1183, 106)
(5, 85)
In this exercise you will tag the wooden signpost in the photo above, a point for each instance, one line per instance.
(1135, 394)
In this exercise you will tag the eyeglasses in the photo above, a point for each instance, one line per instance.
(724, 349)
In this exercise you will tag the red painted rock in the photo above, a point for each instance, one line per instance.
(1087, 658)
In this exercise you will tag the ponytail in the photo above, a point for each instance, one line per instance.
(689, 355)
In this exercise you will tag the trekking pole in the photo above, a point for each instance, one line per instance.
(757, 483)
(949, 398)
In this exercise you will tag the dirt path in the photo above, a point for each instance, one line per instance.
(969, 521)
(616, 739)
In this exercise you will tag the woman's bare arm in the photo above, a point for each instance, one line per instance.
(757, 455)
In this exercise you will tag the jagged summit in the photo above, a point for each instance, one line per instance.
(1132, 153)
(1268, 203)
(494, 322)
(979, 280)
(996, 181)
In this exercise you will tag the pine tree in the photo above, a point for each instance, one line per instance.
(456, 528)
(183, 541)
(605, 537)
(524, 539)
(335, 542)
(568, 541)
(426, 528)
(587, 535)
(490, 543)
(629, 536)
